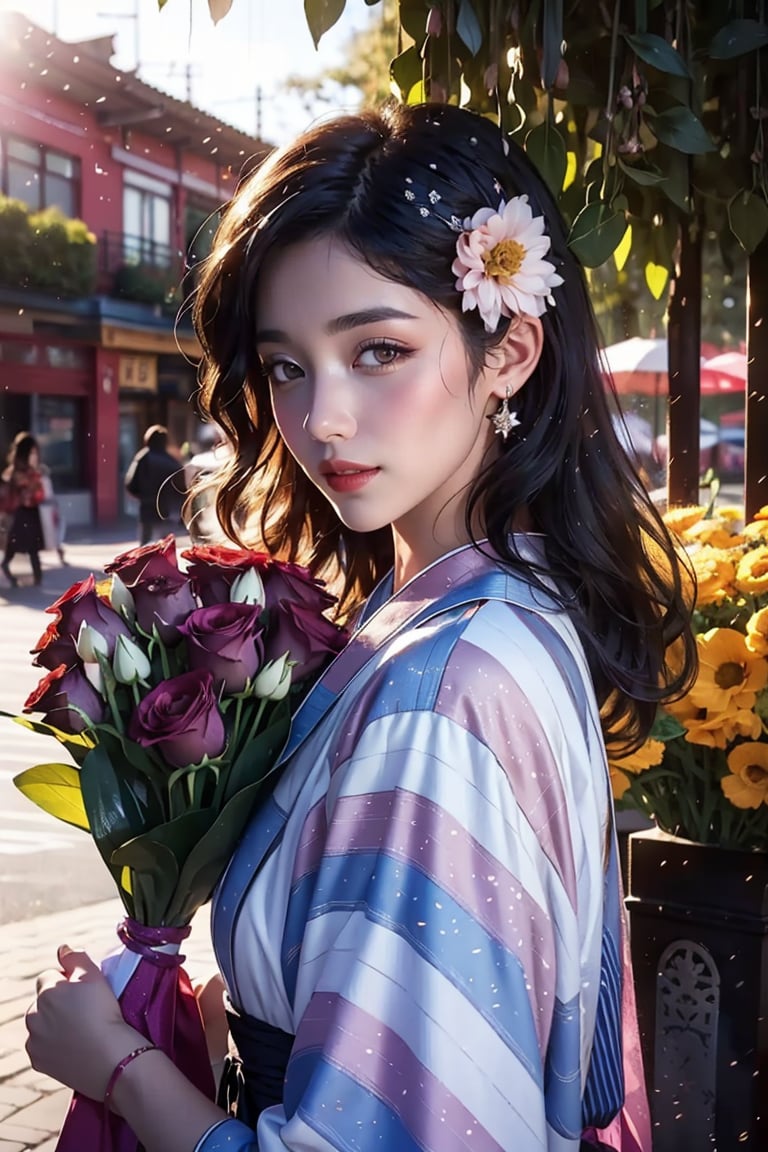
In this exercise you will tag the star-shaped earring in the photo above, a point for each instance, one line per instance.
(504, 421)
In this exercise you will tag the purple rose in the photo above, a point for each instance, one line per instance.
(309, 638)
(227, 640)
(291, 582)
(213, 569)
(181, 719)
(80, 604)
(59, 693)
(162, 594)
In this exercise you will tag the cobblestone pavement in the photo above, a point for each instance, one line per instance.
(32, 1107)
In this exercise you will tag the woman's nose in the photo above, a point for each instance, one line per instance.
(331, 415)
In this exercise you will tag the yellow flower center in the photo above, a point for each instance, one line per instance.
(755, 774)
(729, 674)
(504, 260)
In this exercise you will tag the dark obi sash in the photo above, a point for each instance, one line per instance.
(253, 1079)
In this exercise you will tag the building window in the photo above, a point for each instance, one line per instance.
(40, 176)
(146, 220)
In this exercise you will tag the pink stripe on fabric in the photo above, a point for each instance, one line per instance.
(380, 1060)
(312, 843)
(411, 828)
(431, 585)
(482, 696)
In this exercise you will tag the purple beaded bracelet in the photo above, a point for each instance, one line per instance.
(121, 1067)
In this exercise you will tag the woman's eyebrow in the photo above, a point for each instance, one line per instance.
(340, 324)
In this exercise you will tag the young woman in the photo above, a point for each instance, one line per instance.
(24, 490)
(421, 934)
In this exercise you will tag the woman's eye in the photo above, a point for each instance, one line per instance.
(380, 355)
(283, 371)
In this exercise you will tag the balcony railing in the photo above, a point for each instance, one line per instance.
(137, 268)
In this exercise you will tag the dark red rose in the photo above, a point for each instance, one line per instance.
(214, 568)
(227, 640)
(53, 649)
(161, 592)
(292, 582)
(147, 564)
(80, 604)
(59, 693)
(180, 718)
(308, 637)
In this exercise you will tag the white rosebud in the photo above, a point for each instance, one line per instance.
(90, 644)
(121, 599)
(248, 588)
(129, 663)
(95, 677)
(274, 680)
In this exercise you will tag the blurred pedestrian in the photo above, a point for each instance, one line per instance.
(156, 479)
(23, 493)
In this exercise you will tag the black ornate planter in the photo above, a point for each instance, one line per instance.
(699, 935)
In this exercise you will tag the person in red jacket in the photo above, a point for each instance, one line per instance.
(23, 493)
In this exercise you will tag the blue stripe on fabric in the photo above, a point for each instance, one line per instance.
(562, 1075)
(260, 835)
(346, 1113)
(313, 708)
(399, 897)
(228, 1136)
(296, 919)
(604, 1089)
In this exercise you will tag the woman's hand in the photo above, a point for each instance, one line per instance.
(77, 1033)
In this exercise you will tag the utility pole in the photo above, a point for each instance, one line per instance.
(134, 16)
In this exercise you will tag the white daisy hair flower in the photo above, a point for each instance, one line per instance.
(500, 267)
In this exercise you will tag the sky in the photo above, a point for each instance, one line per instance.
(255, 46)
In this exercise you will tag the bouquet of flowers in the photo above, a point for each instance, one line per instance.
(171, 687)
(703, 773)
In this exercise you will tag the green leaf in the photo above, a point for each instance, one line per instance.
(154, 877)
(205, 864)
(738, 37)
(546, 148)
(666, 727)
(322, 15)
(406, 70)
(680, 129)
(264, 748)
(596, 233)
(468, 27)
(645, 177)
(748, 218)
(114, 814)
(676, 168)
(658, 52)
(56, 789)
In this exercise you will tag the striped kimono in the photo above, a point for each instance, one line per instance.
(430, 900)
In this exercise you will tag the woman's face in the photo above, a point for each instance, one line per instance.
(371, 392)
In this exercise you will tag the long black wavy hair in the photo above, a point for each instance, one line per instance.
(393, 186)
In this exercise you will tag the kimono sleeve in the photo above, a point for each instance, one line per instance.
(431, 945)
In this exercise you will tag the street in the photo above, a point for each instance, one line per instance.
(45, 865)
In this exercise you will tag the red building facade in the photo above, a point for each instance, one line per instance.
(147, 173)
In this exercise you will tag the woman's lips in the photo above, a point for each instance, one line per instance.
(346, 475)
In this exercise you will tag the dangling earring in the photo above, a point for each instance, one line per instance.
(504, 421)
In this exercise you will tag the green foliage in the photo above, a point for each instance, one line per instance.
(45, 251)
(634, 112)
(145, 283)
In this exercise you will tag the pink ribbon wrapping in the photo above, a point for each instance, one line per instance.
(159, 1002)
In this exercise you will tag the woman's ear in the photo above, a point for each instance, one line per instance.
(510, 363)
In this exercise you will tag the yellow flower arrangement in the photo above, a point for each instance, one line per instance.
(703, 772)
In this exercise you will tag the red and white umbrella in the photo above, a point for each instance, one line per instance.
(724, 373)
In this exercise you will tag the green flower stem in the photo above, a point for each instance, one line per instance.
(109, 688)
